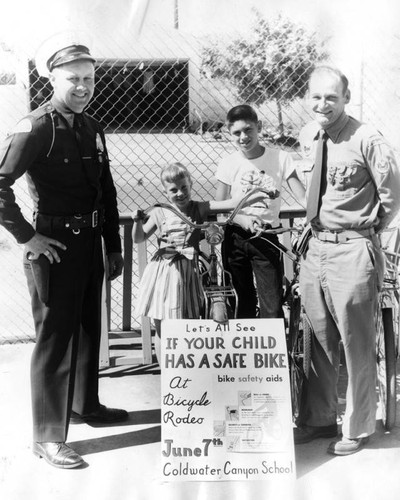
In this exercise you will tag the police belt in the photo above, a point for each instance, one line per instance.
(342, 236)
(74, 222)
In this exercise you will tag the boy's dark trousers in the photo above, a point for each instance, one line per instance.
(249, 259)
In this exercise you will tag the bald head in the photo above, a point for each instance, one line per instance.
(334, 72)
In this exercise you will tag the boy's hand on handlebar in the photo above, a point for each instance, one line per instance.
(255, 198)
(257, 195)
(273, 193)
(248, 222)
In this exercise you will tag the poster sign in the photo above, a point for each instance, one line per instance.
(225, 409)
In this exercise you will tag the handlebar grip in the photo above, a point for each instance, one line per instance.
(141, 215)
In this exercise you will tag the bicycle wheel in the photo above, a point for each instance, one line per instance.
(299, 351)
(386, 366)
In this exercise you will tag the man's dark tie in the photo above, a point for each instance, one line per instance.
(318, 181)
(77, 123)
(77, 127)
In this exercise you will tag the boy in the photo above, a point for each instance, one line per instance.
(247, 257)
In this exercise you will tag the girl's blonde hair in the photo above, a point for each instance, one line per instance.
(174, 172)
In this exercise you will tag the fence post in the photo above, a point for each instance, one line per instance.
(127, 279)
(104, 360)
(146, 326)
(104, 354)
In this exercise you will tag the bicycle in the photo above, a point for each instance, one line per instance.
(387, 338)
(299, 331)
(220, 298)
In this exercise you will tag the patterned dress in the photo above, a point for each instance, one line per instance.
(170, 287)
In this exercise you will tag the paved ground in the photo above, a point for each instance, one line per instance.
(123, 460)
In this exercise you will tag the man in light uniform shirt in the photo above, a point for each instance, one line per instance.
(342, 271)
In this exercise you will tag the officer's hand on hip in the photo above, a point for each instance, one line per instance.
(40, 244)
(115, 265)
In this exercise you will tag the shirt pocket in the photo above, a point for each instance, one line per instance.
(304, 170)
(343, 179)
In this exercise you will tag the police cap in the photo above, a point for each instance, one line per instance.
(61, 49)
(69, 54)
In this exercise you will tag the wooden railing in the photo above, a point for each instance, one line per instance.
(145, 353)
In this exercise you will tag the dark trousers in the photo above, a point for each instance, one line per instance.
(64, 365)
(249, 261)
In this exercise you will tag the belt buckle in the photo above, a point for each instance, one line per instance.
(95, 218)
(330, 237)
(326, 236)
(78, 217)
(341, 238)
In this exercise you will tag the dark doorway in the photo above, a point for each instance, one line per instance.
(142, 96)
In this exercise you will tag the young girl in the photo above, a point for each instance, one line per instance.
(170, 287)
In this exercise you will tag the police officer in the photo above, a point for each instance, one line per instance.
(62, 151)
(343, 267)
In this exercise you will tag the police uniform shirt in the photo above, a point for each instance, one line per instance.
(68, 172)
(363, 178)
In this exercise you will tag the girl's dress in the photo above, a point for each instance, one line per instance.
(170, 287)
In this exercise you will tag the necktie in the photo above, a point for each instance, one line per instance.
(77, 128)
(77, 124)
(318, 181)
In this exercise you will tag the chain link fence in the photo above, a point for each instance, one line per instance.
(163, 98)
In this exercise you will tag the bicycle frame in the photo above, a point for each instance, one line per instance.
(299, 329)
(389, 296)
(387, 339)
(220, 286)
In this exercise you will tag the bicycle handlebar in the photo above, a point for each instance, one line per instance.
(204, 225)
(292, 254)
(277, 230)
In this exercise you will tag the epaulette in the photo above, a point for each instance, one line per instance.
(43, 110)
(25, 125)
